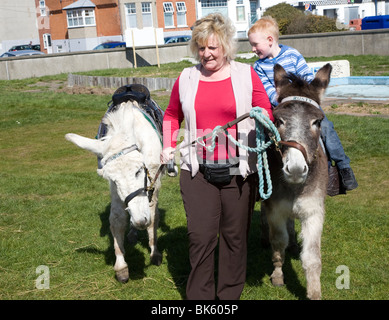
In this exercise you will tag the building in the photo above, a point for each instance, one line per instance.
(342, 10)
(68, 25)
(75, 25)
(13, 16)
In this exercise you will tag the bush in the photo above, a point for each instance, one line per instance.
(293, 21)
(284, 14)
(312, 24)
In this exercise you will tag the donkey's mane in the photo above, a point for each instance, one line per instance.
(298, 86)
(121, 119)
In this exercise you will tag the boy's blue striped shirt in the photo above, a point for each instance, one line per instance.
(291, 60)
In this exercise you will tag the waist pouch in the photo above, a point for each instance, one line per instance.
(217, 173)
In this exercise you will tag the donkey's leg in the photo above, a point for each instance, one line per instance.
(311, 230)
(118, 220)
(279, 241)
(155, 255)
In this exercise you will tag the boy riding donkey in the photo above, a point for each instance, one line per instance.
(263, 37)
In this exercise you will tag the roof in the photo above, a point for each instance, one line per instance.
(80, 4)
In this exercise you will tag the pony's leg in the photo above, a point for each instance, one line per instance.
(264, 226)
(279, 241)
(311, 230)
(118, 220)
(132, 236)
(293, 245)
(155, 255)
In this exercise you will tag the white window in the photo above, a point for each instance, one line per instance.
(42, 8)
(81, 18)
(146, 15)
(47, 40)
(240, 12)
(168, 11)
(130, 15)
(209, 6)
(181, 14)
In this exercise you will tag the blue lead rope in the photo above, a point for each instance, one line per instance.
(261, 121)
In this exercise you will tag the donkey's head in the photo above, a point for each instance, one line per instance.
(298, 118)
(123, 165)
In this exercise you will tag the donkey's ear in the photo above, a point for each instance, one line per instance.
(322, 78)
(92, 145)
(280, 77)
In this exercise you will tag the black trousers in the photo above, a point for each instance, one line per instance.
(217, 214)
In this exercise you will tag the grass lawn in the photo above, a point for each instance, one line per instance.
(54, 212)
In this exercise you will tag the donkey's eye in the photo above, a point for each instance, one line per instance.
(316, 123)
(138, 172)
(279, 122)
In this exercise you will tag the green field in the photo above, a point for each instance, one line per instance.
(54, 212)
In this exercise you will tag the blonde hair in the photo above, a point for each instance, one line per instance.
(267, 25)
(218, 25)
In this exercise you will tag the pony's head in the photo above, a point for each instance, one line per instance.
(123, 164)
(298, 118)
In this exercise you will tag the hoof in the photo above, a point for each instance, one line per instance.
(156, 259)
(122, 275)
(277, 281)
(316, 296)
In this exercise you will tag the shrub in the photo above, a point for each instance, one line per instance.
(293, 21)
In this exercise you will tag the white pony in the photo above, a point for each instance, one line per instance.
(130, 155)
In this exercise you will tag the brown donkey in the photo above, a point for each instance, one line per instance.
(299, 175)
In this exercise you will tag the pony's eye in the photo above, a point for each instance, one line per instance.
(316, 122)
(279, 122)
(138, 172)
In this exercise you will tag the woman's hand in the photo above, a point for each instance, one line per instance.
(167, 154)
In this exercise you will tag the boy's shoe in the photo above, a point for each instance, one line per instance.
(348, 179)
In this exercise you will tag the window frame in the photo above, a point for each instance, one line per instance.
(168, 14)
(130, 14)
(147, 15)
(80, 17)
(181, 14)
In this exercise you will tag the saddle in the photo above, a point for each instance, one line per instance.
(139, 93)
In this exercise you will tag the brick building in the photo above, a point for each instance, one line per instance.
(75, 25)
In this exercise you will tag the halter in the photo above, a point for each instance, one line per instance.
(146, 189)
(303, 99)
(294, 144)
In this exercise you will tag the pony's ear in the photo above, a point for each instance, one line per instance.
(322, 78)
(92, 145)
(280, 77)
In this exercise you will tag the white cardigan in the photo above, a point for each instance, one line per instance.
(243, 90)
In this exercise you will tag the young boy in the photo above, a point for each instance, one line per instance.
(263, 37)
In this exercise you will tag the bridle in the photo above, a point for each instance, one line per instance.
(291, 143)
(146, 189)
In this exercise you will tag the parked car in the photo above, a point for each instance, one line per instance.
(26, 47)
(110, 45)
(177, 39)
(20, 53)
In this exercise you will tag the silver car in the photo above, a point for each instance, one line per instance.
(20, 53)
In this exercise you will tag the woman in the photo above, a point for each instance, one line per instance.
(218, 188)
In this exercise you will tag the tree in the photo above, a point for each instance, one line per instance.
(312, 24)
(293, 21)
(284, 14)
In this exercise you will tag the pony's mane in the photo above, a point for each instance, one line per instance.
(120, 120)
(298, 86)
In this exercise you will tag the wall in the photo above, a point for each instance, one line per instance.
(310, 45)
(336, 43)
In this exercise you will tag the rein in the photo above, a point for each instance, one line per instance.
(261, 122)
